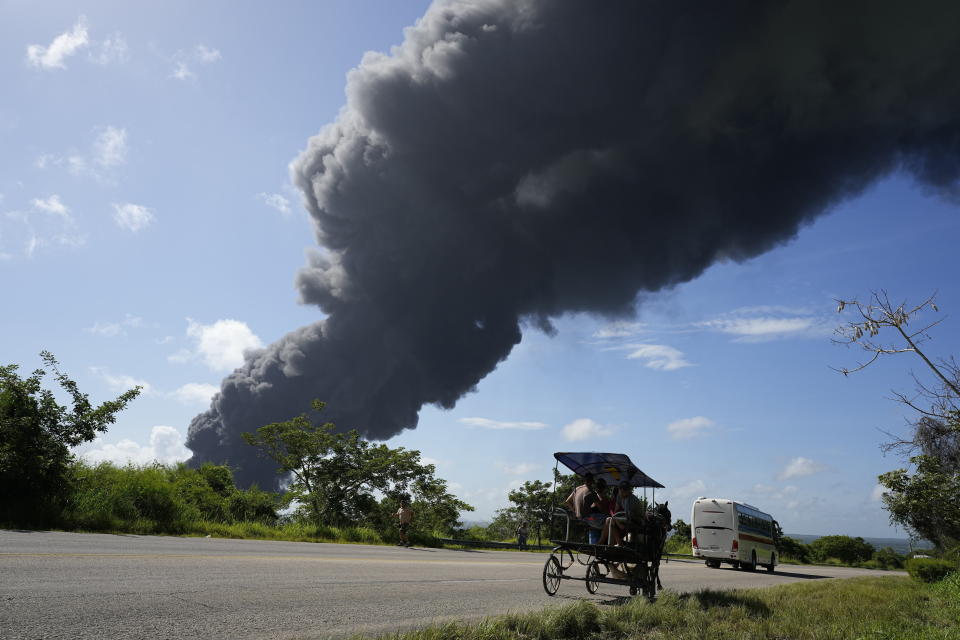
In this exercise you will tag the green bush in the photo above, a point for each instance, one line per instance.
(845, 549)
(930, 569)
(793, 549)
(887, 558)
(253, 505)
(678, 544)
(949, 587)
(135, 499)
(162, 499)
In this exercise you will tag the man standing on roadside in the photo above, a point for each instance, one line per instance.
(522, 532)
(404, 518)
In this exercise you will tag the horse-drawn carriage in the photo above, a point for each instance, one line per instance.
(635, 562)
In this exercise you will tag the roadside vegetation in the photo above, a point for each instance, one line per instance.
(882, 608)
(341, 489)
(178, 500)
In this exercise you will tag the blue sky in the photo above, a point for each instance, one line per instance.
(149, 233)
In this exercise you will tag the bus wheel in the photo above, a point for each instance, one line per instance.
(752, 565)
(713, 564)
(773, 562)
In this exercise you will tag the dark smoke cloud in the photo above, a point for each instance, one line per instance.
(516, 160)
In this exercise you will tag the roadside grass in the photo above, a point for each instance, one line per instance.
(290, 532)
(874, 607)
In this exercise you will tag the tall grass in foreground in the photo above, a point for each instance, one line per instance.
(875, 608)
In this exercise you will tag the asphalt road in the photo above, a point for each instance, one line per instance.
(69, 585)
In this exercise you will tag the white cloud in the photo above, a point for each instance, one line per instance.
(51, 205)
(76, 164)
(110, 147)
(690, 490)
(619, 330)
(201, 54)
(166, 446)
(120, 383)
(800, 467)
(765, 323)
(688, 428)
(520, 469)
(207, 54)
(48, 222)
(62, 47)
(132, 217)
(113, 49)
(195, 393)
(220, 345)
(182, 72)
(276, 201)
(657, 356)
(114, 329)
(107, 152)
(486, 423)
(584, 429)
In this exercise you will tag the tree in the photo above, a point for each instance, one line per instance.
(927, 502)
(888, 558)
(843, 548)
(336, 476)
(793, 548)
(681, 530)
(533, 502)
(36, 434)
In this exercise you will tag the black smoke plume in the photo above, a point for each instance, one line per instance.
(514, 160)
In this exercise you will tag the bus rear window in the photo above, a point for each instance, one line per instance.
(711, 514)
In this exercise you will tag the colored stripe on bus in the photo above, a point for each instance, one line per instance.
(747, 536)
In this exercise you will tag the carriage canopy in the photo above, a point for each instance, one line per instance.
(612, 467)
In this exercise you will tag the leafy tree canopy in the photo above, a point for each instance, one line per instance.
(533, 502)
(341, 479)
(927, 501)
(36, 434)
(843, 548)
(793, 548)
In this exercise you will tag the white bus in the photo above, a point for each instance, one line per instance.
(732, 532)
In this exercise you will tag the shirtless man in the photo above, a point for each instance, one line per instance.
(404, 518)
(574, 501)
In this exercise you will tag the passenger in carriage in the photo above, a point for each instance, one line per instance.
(629, 517)
(596, 510)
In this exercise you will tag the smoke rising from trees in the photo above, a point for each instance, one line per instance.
(514, 160)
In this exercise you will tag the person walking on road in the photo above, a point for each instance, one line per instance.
(404, 519)
(522, 532)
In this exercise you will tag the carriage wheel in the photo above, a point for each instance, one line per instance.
(551, 575)
(593, 573)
